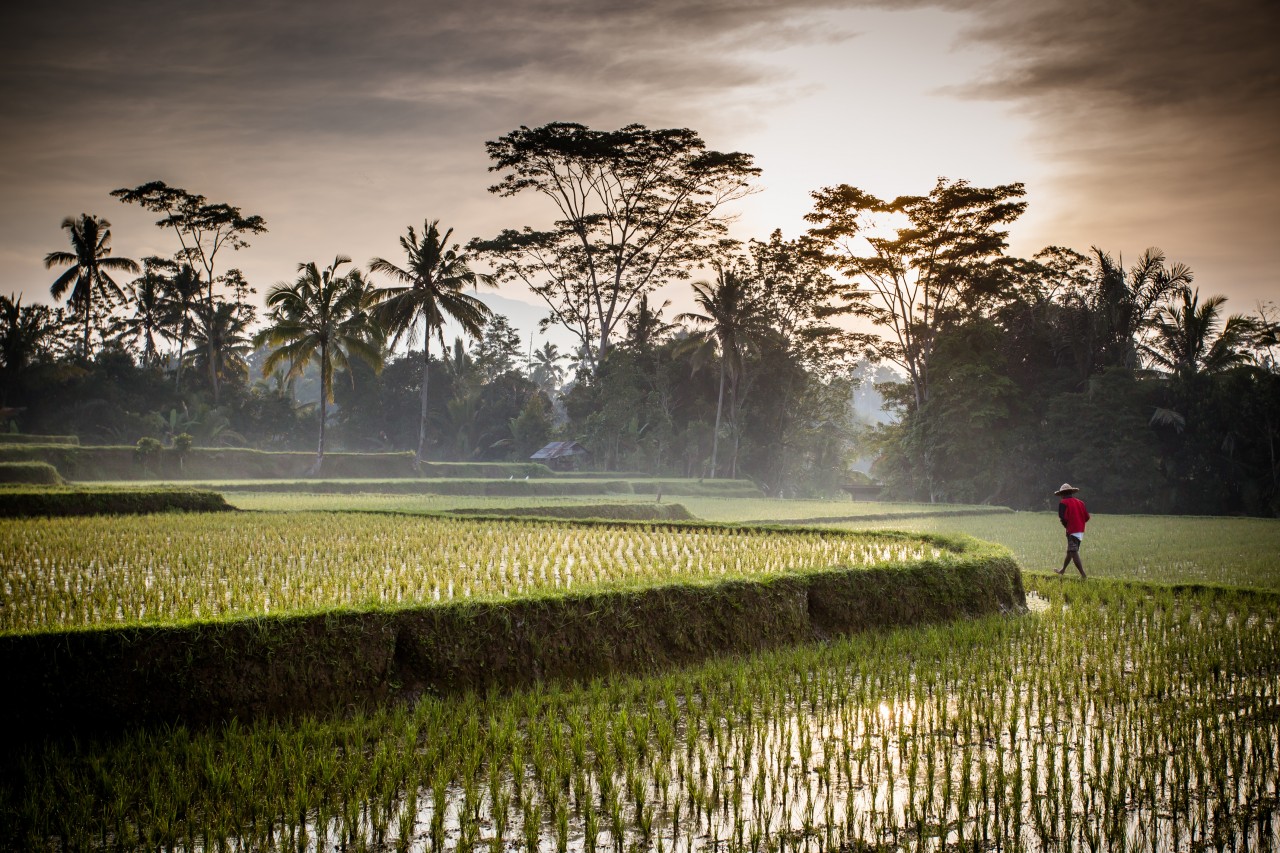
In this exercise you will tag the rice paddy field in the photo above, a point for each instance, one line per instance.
(1120, 714)
(94, 571)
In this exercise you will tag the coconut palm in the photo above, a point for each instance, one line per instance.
(645, 326)
(220, 343)
(732, 316)
(152, 314)
(90, 264)
(545, 369)
(323, 317)
(183, 292)
(1187, 341)
(1125, 304)
(428, 291)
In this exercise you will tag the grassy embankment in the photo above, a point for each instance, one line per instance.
(124, 462)
(24, 501)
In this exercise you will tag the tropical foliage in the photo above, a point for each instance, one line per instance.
(1000, 376)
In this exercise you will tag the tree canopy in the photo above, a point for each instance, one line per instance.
(635, 208)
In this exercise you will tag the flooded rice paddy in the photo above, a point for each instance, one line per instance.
(1114, 718)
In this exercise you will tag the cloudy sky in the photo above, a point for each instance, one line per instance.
(1134, 124)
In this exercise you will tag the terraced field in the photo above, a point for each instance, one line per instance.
(1121, 714)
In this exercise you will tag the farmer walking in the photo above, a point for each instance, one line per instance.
(1074, 516)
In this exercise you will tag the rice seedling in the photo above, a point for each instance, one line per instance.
(1160, 549)
(1121, 717)
(73, 572)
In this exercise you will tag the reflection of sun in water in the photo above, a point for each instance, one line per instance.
(897, 714)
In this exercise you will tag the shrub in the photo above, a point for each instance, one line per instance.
(21, 503)
(41, 473)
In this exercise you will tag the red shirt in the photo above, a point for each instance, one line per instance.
(1073, 515)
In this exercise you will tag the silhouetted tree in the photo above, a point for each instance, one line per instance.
(203, 229)
(917, 264)
(90, 264)
(732, 316)
(429, 291)
(636, 207)
(323, 317)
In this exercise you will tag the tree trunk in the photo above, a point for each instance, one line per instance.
(715, 437)
(182, 349)
(426, 382)
(88, 319)
(213, 370)
(324, 400)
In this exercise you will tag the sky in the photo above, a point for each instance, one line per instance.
(1133, 123)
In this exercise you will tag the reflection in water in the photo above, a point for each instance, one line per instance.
(1105, 726)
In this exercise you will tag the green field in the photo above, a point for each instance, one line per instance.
(1159, 549)
(93, 571)
(1124, 713)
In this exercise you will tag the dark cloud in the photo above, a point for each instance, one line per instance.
(1155, 115)
(309, 66)
(1163, 118)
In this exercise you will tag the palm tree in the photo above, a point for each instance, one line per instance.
(323, 317)
(152, 314)
(89, 261)
(183, 292)
(732, 317)
(1185, 344)
(220, 343)
(1125, 304)
(546, 371)
(428, 292)
(645, 326)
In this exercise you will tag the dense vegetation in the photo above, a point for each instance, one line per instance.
(1009, 375)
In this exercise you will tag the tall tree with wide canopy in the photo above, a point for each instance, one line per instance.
(916, 266)
(429, 291)
(90, 265)
(916, 263)
(322, 317)
(636, 208)
(203, 229)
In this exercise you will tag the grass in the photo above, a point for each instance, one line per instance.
(729, 509)
(34, 473)
(1158, 549)
(25, 501)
